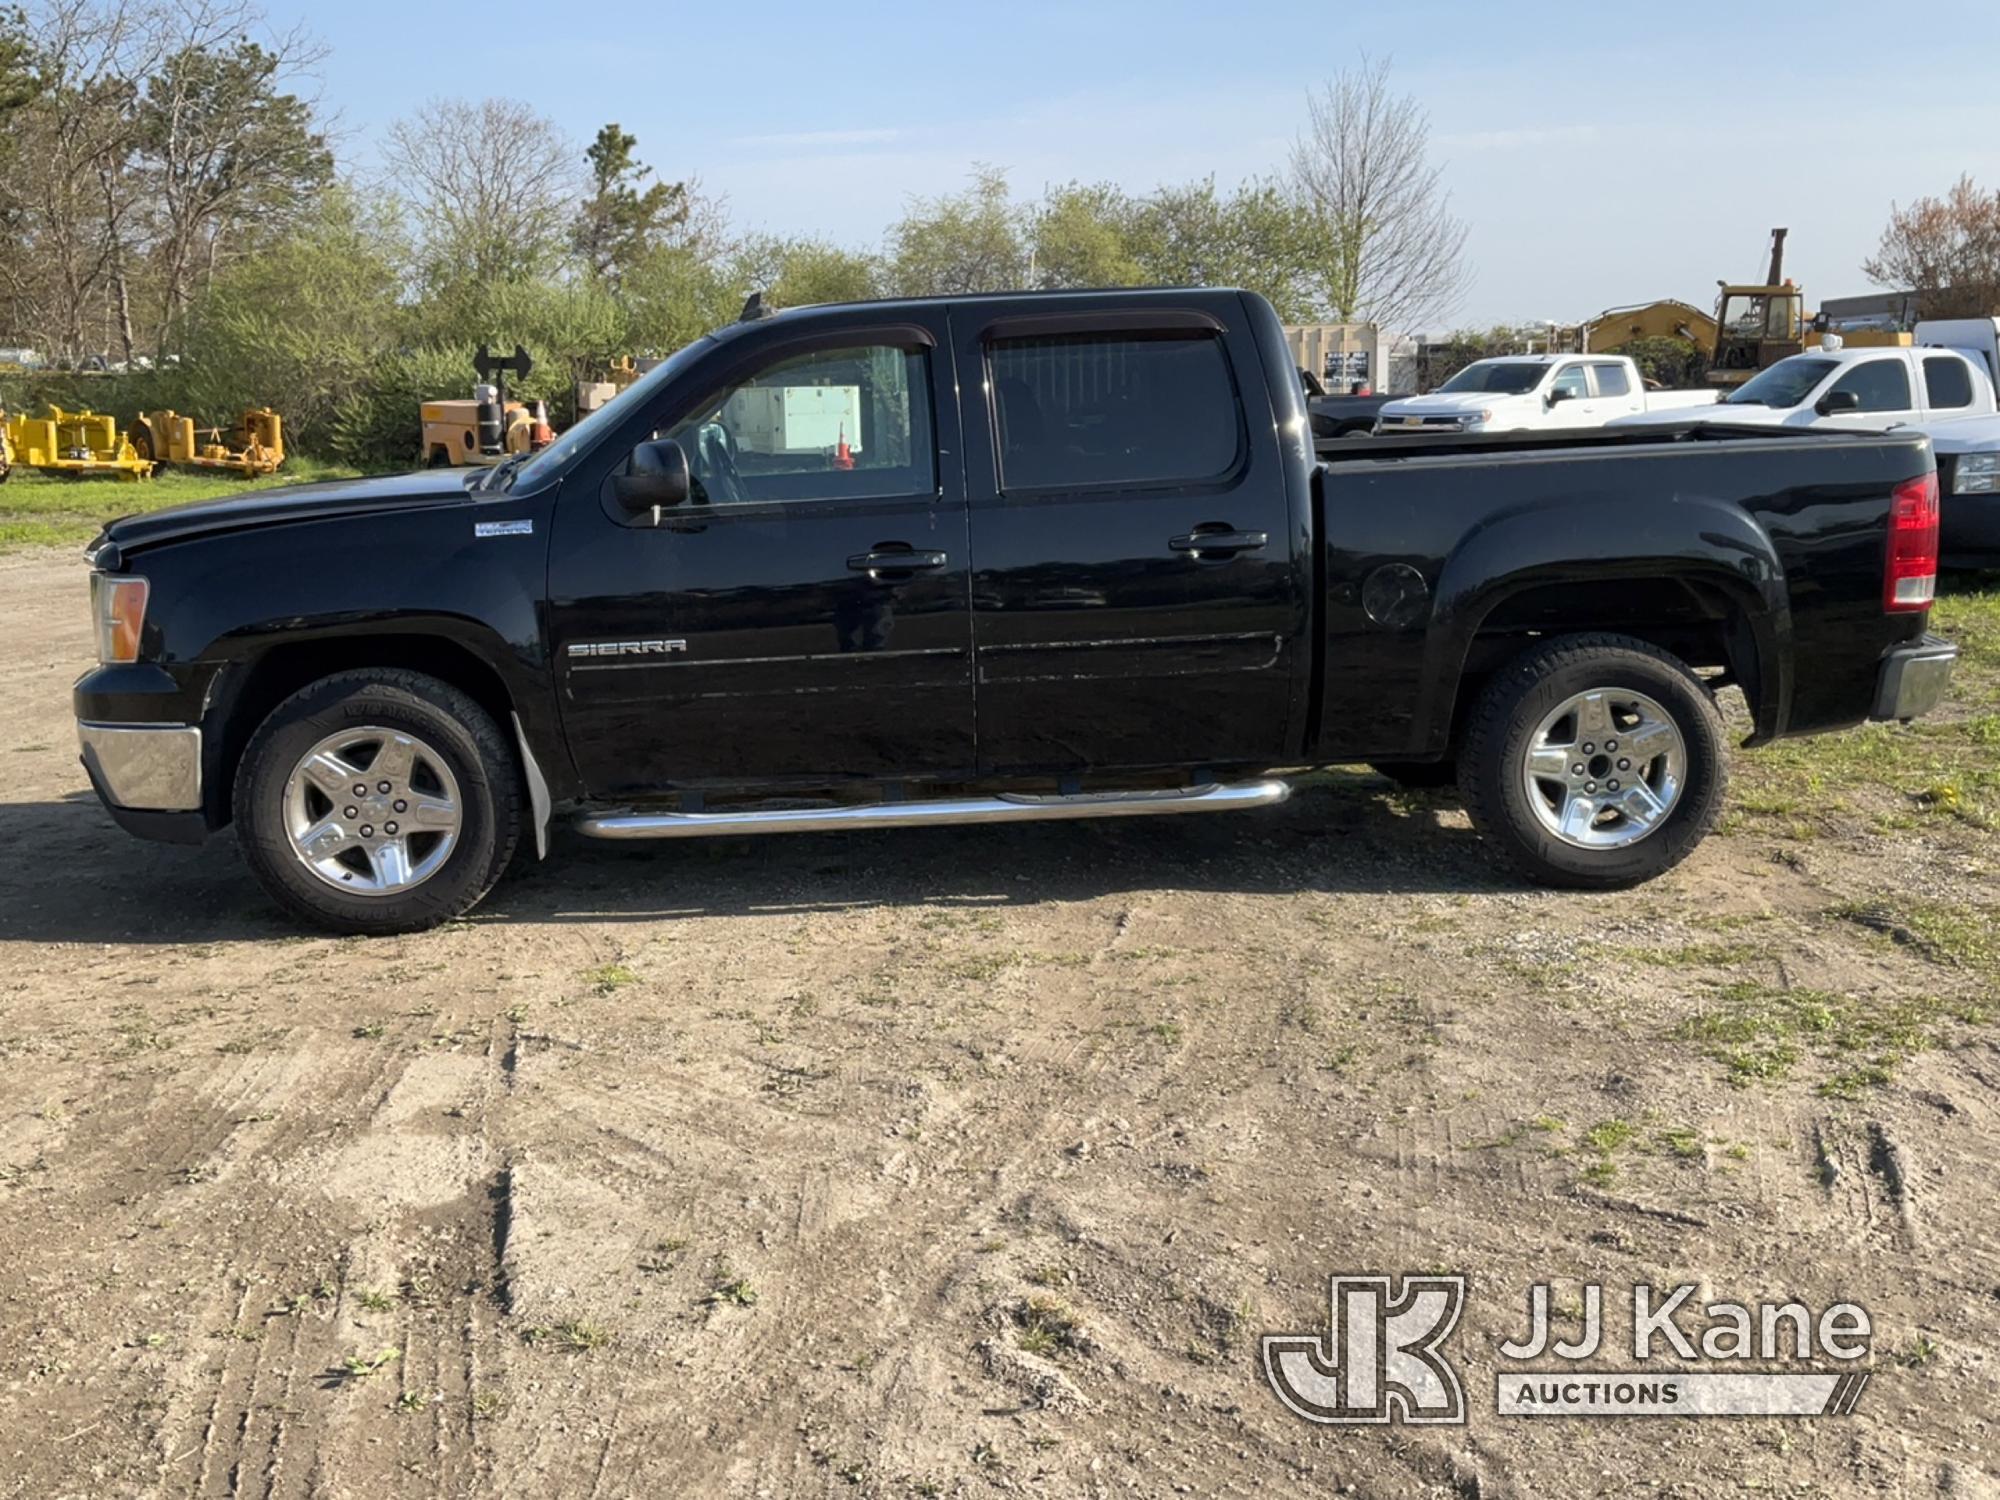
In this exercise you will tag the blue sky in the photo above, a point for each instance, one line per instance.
(1602, 154)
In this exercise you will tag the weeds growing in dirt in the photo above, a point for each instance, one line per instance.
(570, 1338)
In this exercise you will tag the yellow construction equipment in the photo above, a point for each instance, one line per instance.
(6, 448)
(489, 428)
(81, 443)
(1757, 325)
(1615, 327)
(255, 445)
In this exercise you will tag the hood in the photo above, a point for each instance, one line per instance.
(1451, 404)
(294, 502)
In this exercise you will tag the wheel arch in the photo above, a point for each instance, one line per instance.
(1712, 593)
(257, 686)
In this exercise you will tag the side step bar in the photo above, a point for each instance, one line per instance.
(1006, 808)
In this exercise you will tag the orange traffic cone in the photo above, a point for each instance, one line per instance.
(843, 456)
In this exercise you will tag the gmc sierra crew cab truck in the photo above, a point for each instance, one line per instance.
(992, 558)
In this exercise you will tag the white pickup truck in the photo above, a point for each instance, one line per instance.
(1943, 387)
(1523, 392)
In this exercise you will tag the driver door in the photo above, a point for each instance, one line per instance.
(804, 615)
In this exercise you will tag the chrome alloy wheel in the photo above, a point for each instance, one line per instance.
(1605, 768)
(372, 811)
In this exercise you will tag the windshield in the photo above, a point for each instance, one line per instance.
(1500, 377)
(547, 463)
(1785, 384)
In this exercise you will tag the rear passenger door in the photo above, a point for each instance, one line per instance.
(1134, 592)
(1612, 394)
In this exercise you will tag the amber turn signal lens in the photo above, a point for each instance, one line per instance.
(119, 606)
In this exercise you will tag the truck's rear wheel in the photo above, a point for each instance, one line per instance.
(378, 801)
(1593, 762)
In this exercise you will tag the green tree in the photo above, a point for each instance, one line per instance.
(1079, 236)
(1255, 237)
(803, 272)
(303, 325)
(625, 214)
(961, 242)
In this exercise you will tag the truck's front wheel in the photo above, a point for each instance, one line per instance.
(377, 801)
(1593, 762)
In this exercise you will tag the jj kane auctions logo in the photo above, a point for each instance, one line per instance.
(1382, 1357)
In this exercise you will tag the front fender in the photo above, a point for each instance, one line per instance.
(1692, 540)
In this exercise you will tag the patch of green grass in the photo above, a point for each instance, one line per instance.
(1689, 955)
(1952, 933)
(573, 1337)
(39, 509)
(1761, 1033)
(1680, 1142)
(607, 979)
(1608, 1135)
(1048, 1325)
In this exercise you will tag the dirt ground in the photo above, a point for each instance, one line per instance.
(953, 1162)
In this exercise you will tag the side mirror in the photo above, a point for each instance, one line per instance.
(1561, 393)
(1837, 403)
(657, 478)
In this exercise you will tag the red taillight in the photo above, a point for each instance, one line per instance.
(1909, 579)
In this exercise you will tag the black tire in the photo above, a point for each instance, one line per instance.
(446, 722)
(141, 440)
(1417, 774)
(1492, 757)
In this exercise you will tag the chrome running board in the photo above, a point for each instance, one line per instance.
(1006, 808)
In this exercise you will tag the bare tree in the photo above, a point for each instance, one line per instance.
(73, 138)
(494, 187)
(1945, 249)
(1395, 253)
(226, 148)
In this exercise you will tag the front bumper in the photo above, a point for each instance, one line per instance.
(144, 767)
(1913, 678)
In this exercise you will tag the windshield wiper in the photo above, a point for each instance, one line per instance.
(503, 471)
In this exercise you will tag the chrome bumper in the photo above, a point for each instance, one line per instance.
(146, 767)
(1914, 678)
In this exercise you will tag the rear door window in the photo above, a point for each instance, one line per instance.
(1880, 384)
(1947, 382)
(1086, 411)
(1611, 380)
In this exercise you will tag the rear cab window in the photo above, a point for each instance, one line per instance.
(1947, 382)
(1114, 410)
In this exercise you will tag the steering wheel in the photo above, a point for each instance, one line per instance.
(717, 455)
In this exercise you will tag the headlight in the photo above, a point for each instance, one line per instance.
(1976, 474)
(118, 608)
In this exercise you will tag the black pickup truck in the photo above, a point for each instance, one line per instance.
(981, 559)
